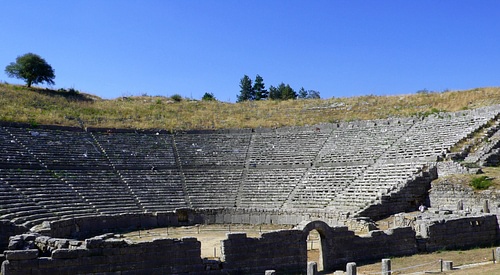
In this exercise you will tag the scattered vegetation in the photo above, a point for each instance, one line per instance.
(481, 183)
(69, 106)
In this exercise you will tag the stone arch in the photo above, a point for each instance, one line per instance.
(326, 239)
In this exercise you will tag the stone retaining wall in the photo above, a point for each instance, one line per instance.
(340, 245)
(85, 227)
(452, 196)
(458, 233)
(106, 255)
(283, 251)
(405, 199)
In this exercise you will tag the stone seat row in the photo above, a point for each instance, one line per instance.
(159, 190)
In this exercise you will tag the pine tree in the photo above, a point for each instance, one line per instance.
(246, 90)
(274, 93)
(259, 88)
(302, 93)
(287, 92)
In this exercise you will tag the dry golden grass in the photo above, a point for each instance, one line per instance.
(43, 106)
(429, 263)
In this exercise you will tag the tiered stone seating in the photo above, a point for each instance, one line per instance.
(13, 155)
(158, 190)
(197, 150)
(435, 135)
(487, 147)
(20, 208)
(377, 180)
(269, 188)
(137, 151)
(362, 141)
(298, 147)
(48, 191)
(61, 149)
(103, 189)
(210, 188)
(322, 184)
(340, 166)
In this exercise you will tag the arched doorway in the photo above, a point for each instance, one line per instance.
(314, 248)
(318, 235)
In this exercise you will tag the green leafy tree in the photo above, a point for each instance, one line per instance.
(208, 97)
(246, 89)
(313, 94)
(259, 88)
(32, 68)
(308, 94)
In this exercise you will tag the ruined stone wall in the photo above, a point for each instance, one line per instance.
(105, 255)
(346, 247)
(7, 229)
(446, 168)
(85, 227)
(465, 232)
(451, 196)
(284, 251)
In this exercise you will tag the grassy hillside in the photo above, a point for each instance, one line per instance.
(44, 106)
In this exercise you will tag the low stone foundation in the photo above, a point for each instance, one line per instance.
(103, 254)
(85, 227)
(447, 195)
(457, 232)
(284, 250)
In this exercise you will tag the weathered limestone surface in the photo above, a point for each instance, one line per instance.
(448, 195)
(340, 246)
(449, 232)
(104, 254)
(282, 251)
(74, 183)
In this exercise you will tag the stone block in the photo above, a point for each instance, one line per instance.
(64, 253)
(236, 235)
(447, 265)
(312, 268)
(15, 255)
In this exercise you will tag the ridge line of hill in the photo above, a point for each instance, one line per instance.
(37, 106)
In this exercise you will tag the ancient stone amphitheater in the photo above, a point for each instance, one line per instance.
(61, 187)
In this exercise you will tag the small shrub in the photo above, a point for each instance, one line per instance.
(33, 123)
(73, 91)
(481, 183)
(423, 91)
(208, 97)
(176, 98)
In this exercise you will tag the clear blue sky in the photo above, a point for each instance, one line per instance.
(116, 48)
